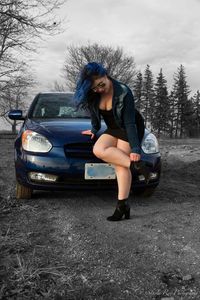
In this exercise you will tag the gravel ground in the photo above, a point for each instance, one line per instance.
(60, 246)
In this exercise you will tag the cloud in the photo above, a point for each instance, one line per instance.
(160, 33)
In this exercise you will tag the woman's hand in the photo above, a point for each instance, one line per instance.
(135, 156)
(88, 132)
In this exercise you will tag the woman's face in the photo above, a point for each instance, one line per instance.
(101, 85)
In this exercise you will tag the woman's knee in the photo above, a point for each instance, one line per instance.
(102, 144)
(98, 151)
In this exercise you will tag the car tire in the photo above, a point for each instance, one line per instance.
(147, 192)
(23, 192)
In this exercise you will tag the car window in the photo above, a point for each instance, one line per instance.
(57, 106)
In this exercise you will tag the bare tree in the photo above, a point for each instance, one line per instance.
(22, 22)
(58, 87)
(118, 64)
(14, 92)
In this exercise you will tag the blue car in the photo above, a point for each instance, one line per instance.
(51, 153)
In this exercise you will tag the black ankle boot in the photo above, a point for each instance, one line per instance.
(122, 208)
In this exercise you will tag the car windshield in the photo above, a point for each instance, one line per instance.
(57, 106)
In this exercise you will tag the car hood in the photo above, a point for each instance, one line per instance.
(60, 132)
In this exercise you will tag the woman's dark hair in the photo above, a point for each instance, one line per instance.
(84, 83)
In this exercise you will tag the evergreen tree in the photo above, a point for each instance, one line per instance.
(148, 97)
(190, 125)
(196, 105)
(138, 91)
(161, 106)
(172, 114)
(181, 92)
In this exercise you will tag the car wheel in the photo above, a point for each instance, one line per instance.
(147, 192)
(23, 192)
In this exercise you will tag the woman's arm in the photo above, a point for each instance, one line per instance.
(129, 122)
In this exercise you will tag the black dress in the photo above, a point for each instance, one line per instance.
(112, 128)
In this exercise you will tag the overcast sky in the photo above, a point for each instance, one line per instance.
(161, 33)
(155, 32)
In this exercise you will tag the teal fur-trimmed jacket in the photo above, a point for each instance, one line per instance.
(123, 106)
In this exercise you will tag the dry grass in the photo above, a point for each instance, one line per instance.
(41, 256)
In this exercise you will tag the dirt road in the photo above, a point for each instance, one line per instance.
(60, 245)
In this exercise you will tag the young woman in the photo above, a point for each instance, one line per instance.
(119, 144)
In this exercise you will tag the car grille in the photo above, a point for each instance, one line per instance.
(83, 150)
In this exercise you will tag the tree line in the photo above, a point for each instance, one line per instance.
(22, 23)
(173, 113)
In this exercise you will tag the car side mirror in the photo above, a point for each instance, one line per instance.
(16, 114)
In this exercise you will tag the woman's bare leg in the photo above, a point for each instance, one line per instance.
(124, 175)
(117, 152)
(124, 179)
(106, 149)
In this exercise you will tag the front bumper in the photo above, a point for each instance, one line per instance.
(70, 170)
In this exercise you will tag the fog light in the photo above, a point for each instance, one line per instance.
(152, 176)
(42, 177)
(141, 178)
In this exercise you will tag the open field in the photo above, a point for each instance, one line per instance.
(60, 245)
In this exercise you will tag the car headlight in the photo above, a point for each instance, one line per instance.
(35, 142)
(150, 144)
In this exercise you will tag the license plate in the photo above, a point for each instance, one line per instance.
(99, 171)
